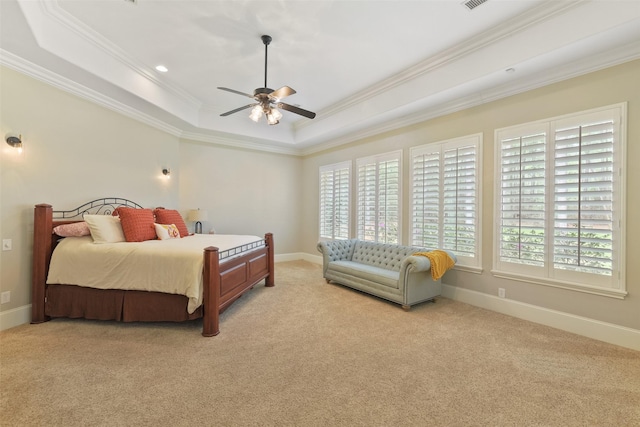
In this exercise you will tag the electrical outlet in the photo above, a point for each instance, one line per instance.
(5, 297)
(502, 293)
(6, 244)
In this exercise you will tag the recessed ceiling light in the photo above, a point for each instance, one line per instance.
(162, 68)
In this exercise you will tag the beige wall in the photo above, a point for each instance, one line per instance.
(244, 192)
(74, 151)
(614, 85)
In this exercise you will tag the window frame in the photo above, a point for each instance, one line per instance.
(548, 275)
(440, 148)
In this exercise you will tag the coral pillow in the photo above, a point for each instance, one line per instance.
(137, 224)
(75, 229)
(171, 216)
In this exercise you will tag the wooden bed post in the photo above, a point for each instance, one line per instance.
(42, 241)
(211, 294)
(270, 280)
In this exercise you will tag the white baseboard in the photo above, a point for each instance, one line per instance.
(317, 259)
(602, 331)
(15, 317)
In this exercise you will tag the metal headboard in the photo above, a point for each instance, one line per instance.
(104, 206)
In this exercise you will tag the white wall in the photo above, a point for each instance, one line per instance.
(611, 86)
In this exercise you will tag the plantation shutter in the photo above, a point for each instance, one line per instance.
(522, 200)
(378, 205)
(426, 200)
(460, 200)
(583, 198)
(335, 200)
(445, 197)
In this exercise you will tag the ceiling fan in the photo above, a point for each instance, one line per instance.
(268, 100)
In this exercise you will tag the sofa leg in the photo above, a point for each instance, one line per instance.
(406, 307)
(328, 280)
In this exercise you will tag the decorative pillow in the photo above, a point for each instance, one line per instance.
(105, 228)
(137, 224)
(171, 216)
(75, 229)
(165, 232)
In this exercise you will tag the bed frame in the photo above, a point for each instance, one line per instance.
(223, 281)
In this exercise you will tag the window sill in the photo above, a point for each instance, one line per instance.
(611, 293)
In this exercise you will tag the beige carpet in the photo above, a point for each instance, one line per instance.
(307, 353)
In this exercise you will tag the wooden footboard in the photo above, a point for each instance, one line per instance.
(228, 281)
(223, 282)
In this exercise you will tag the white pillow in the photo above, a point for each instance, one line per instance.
(167, 231)
(105, 228)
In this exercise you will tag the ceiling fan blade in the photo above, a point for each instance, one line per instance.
(235, 91)
(283, 92)
(296, 110)
(237, 109)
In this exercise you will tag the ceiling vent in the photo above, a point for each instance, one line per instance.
(472, 4)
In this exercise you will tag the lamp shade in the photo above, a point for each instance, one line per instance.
(196, 215)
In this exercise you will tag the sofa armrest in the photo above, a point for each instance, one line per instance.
(335, 250)
(415, 263)
(421, 263)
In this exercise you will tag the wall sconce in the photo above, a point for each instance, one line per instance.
(166, 172)
(14, 141)
(196, 215)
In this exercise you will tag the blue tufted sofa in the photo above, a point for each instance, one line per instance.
(384, 270)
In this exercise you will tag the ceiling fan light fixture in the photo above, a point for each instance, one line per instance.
(274, 116)
(256, 113)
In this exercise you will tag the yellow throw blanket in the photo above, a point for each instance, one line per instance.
(440, 262)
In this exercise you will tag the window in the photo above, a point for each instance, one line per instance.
(379, 193)
(559, 196)
(335, 182)
(445, 197)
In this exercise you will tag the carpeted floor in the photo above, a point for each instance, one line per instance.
(307, 353)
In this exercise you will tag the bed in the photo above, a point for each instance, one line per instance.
(226, 274)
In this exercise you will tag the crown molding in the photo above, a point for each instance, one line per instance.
(37, 72)
(539, 14)
(626, 53)
(53, 11)
(234, 141)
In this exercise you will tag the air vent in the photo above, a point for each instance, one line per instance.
(472, 4)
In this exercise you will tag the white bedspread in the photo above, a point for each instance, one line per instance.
(171, 266)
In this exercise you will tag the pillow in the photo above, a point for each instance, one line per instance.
(165, 232)
(171, 216)
(137, 224)
(75, 229)
(105, 228)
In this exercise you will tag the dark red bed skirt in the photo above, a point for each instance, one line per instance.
(113, 304)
